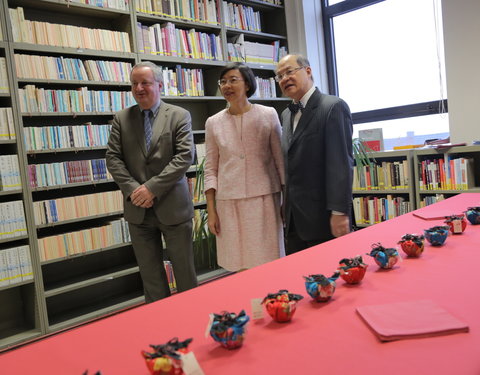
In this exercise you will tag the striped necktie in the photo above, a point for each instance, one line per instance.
(147, 126)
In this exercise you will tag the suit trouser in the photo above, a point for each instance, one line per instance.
(293, 242)
(147, 245)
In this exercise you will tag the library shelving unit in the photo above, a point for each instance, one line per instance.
(443, 172)
(65, 87)
(384, 189)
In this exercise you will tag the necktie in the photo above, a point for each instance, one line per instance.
(295, 107)
(147, 126)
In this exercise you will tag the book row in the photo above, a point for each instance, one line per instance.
(35, 99)
(59, 35)
(79, 242)
(68, 172)
(15, 265)
(9, 173)
(67, 136)
(241, 17)
(4, 86)
(12, 220)
(373, 210)
(428, 200)
(70, 208)
(448, 173)
(7, 126)
(193, 10)
(254, 52)
(387, 175)
(167, 40)
(112, 4)
(50, 67)
(266, 88)
(182, 82)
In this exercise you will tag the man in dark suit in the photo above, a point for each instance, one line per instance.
(317, 146)
(149, 150)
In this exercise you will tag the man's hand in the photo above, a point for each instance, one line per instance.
(142, 197)
(339, 225)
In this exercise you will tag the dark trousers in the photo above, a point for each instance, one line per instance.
(294, 244)
(148, 248)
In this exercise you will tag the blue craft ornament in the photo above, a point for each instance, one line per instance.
(437, 235)
(473, 215)
(384, 257)
(320, 287)
(228, 329)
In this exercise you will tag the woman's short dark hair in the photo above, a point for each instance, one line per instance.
(247, 75)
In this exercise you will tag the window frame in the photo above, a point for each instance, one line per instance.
(380, 114)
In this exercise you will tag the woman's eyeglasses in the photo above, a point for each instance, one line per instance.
(230, 81)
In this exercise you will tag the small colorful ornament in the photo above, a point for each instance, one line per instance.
(282, 305)
(165, 360)
(229, 329)
(385, 257)
(412, 244)
(437, 235)
(473, 215)
(320, 287)
(352, 270)
(457, 224)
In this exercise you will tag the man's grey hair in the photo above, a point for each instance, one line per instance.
(302, 60)
(156, 70)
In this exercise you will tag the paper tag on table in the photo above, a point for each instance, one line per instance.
(209, 325)
(457, 226)
(190, 365)
(257, 308)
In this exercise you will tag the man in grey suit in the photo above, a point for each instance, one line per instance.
(317, 146)
(149, 150)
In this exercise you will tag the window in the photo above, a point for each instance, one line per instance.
(386, 61)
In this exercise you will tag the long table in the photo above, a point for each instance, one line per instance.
(322, 338)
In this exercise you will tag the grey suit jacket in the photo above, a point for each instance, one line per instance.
(162, 169)
(319, 165)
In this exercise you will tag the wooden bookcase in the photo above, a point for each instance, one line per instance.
(389, 178)
(69, 290)
(472, 153)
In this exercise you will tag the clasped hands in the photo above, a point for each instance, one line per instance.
(142, 197)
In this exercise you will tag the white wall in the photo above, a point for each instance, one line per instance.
(461, 29)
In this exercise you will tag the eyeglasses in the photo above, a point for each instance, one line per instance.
(288, 73)
(230, 81)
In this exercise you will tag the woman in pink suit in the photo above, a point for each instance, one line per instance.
(244, 175)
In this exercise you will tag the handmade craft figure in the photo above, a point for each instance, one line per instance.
(437, 235)
(457, 224)
(352, 270)
(473, 215)
(320, 287)
(229, 329)
(282, 305)
(412, 244)
(385, 257)
(165, 359)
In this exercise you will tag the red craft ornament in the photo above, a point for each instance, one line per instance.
(165, 360)
(412, 245)
(352, 270)
(282, 305)
(456, 224)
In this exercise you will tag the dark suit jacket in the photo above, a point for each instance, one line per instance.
(319, 165)
(162, 169)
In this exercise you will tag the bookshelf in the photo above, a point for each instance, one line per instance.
(56, 76)
(435, 181)
(385, 189)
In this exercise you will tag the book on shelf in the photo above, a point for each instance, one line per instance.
(7, 126)
(386, 175)
(266, 88)
(9, 173)
(204, 11)
(59, 35)
(109, 4)
(15, 265)
(372, 209)
(253, 52)
(447, 173)
(372, 138)
(241, 17)
(4, 86)
(12, 220)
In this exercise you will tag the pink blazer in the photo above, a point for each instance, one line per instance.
(248, 163)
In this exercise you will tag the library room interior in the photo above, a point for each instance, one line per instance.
(239, 186)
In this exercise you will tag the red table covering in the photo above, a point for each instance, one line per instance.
(323, 338)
